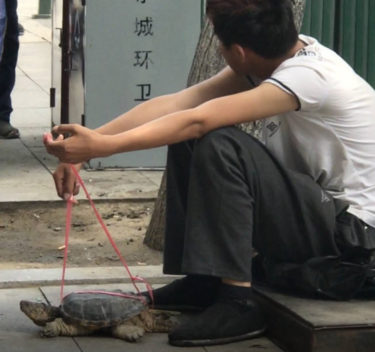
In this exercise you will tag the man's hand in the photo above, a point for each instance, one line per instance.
(65, 180)
(64, 177)
(81, 145)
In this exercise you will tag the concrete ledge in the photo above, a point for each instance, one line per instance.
(78, 276)
(318, 325)
(15, 204)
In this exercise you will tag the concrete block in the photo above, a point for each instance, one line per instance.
(316, 325)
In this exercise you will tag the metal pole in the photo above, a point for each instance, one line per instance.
(44, 9)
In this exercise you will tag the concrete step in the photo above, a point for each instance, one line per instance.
(311, 325)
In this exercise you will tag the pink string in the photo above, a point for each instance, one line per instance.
(123, 261)
(111, 293)
(68, 221)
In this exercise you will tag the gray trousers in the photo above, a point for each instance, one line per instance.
(227, 194)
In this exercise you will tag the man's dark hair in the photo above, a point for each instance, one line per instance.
(264, 26)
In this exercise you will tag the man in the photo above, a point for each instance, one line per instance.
(9, 49)
(308, 193)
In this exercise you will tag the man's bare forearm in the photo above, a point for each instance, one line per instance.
(168, 129)
(141, 114)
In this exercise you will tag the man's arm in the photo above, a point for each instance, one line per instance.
(258, 103)
(224, 83)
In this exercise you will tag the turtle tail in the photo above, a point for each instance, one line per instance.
(40, 313)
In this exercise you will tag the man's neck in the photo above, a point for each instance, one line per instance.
(271, 65)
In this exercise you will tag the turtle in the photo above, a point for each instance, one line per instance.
(119, 314)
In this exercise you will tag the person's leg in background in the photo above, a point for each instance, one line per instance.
(3, 22)
(8, 70)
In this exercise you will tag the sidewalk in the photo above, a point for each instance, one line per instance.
(25, 167)
(25, 176)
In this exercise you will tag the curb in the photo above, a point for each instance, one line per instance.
(10, 205)
(22, 278)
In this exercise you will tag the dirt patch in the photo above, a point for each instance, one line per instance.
(32, 236)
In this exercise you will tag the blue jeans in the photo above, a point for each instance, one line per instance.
(9, 60)
(3, 22)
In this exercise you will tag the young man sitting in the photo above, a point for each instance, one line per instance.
(307, 192)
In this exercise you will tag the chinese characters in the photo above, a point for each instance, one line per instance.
(144, 27)
(142, 58)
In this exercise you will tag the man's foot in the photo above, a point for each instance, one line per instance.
(227, 320)
(7, 131)
(193, 292)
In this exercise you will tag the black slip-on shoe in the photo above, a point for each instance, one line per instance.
(223, 322)
(193, 292)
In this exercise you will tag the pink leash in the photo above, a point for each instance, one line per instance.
(69, 206)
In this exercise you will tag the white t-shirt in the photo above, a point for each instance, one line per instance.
(332, 135)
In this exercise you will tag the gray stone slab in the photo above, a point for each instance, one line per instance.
(30, 120)
(24, 83)
(29, 37)
(255, 345)
(327, 313)
(18, 333)
(22, 178)
(148, 343)
(10, 312)
(33, 139)
(81, 276)
(40, 153)
(31, 98)
(32, 342)
(35, 29)
(37, 69)
(312, 325)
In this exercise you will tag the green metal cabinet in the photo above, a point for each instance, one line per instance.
(348, 27)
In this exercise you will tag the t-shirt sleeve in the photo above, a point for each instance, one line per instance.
(305, 83)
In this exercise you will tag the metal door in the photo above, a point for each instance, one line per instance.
(67, 92)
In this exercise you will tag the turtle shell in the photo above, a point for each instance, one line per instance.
(93, 309)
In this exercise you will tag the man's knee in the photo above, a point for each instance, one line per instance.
(214, 140)
(221, 144)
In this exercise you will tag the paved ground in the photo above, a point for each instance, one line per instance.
(25, 172)
(25, 176)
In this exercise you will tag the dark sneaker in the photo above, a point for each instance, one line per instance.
(225, 321)
(193, 292)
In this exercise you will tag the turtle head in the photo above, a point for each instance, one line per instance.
(39, 313)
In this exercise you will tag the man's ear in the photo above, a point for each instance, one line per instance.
(239, 51)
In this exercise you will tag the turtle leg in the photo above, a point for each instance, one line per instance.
(128, 331)
(162, 320)
(59, 328)
(147, 321)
